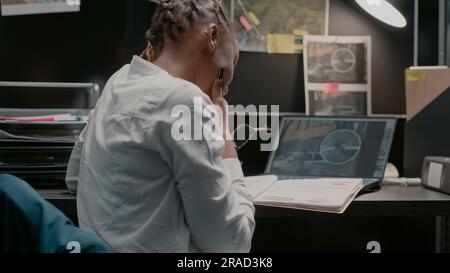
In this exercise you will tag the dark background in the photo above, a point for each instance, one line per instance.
(91, 45)
(282, 82)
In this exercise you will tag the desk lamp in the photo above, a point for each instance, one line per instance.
(383, 11)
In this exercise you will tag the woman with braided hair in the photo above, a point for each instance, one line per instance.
(140, 188)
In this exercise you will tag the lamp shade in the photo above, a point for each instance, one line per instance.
(383, 11)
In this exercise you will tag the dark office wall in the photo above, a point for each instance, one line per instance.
(278, 79)
(264, 79)
(427, 135)
(428, 32)
(139, 14)
(392, 50)
(85, 46)
(448, 33)
(92, 44)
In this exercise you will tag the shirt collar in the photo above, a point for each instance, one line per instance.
(141, 67)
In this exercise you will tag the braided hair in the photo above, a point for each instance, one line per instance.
(174, 17)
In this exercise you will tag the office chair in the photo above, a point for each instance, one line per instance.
(30, 224)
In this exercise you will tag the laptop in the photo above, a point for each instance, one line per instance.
(333, 147)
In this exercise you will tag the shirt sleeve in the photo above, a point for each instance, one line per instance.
(218, 209)
(73, 166)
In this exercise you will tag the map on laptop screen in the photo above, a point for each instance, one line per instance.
(332, 147)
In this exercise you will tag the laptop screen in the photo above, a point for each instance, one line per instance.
(332, 147)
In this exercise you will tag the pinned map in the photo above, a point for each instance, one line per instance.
(277, 26)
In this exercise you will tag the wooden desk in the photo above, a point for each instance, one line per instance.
(391, 201)
(400, 218)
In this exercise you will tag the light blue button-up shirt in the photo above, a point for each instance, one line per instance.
(141, 190)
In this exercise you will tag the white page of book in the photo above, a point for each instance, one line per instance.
(312, 193)
(256, 185)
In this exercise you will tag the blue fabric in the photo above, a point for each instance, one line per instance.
(30, 224)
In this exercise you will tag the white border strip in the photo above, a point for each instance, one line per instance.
(327, 18)
(26, 9)
(47, 84)
(342, 87)
(416, 33)
(442, 36)
(428, 67)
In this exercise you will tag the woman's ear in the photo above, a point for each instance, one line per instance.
(212, 36)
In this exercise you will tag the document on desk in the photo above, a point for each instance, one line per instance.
(332, 195)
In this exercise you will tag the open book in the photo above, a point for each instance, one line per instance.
(332, 195)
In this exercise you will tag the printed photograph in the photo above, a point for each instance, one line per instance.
(322, 103)
(345, 63)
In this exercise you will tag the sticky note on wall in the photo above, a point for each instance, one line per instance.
(300, 32)
(331, 87)
(245, 23)
(415, 75)
(254, 19)
(282, 44)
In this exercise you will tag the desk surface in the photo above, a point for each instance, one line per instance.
(391, 201)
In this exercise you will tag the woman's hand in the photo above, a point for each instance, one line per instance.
(221, 107)
(217, 95)
(222, 110)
